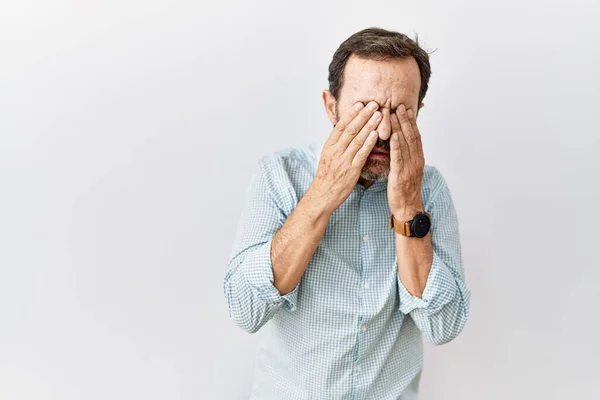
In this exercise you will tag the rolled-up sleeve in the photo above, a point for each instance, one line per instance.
(442, 311)
(251, 295)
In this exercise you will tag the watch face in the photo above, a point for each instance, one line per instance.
(421, 225)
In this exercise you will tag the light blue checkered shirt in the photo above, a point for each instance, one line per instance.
(350, 329)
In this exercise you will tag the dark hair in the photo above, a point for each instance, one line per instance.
(378, 44)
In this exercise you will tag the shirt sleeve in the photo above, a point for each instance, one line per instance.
(443, 309)
(251, 296)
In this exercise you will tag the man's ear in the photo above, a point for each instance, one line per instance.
(329, 103)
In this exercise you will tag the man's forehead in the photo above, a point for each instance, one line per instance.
(388, 82)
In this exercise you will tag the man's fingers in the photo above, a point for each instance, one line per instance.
(395, 152)
(398, 146)
(413, 123)
(369, 114)
(341, 124)
(407, 130)
(363, 153)
(357, 143)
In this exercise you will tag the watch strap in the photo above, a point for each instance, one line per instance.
(401, 227)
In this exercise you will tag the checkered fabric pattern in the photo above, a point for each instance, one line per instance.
(350, 329)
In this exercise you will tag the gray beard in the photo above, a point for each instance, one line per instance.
(375, 170)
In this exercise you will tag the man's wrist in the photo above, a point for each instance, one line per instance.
(407, 213)
(315, 206)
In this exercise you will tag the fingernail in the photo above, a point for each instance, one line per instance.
(358, 106)
(376, 116)
(395, 137)
(402, 109)
(410, 113)
(373, 106)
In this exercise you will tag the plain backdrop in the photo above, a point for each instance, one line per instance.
(128, 133)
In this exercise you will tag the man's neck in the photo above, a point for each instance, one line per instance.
(365, 182)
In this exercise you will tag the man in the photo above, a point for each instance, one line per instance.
(348, 252)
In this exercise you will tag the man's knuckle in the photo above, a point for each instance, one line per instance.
(343, 123)
(361, 157)
(350, 130)
(358, 142)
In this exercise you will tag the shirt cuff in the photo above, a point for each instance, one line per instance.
(258, 273)
(440, 289)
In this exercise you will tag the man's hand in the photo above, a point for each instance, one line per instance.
(406, 165)
(343, 156)
(342, 159)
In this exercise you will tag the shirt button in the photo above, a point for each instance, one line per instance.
(363, 328)
(365, 238)
(366, 286)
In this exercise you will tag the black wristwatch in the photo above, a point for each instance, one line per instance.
(419, 226)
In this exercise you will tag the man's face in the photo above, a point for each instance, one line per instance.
(389, 83)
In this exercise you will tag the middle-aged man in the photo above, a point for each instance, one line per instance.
(348, 251)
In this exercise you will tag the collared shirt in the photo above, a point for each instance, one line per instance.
(349, 329)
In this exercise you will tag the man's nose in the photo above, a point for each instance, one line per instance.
(384, 129)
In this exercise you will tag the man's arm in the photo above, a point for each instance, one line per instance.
(414, 256)
(407, 164)
(272, 251)
(296, 242)
(431, 282)
(430, 276)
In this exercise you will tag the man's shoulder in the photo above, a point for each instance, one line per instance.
(287, 173)
(434, 184)
(292, 160)
(432, 177)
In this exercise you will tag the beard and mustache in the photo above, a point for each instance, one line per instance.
(375, 169)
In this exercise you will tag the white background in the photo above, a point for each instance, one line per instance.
(128, 132)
